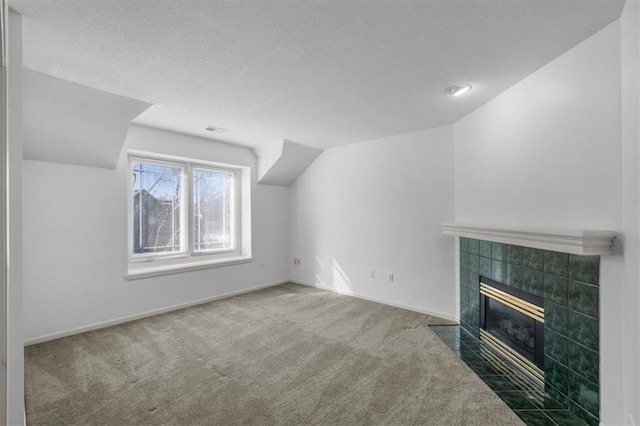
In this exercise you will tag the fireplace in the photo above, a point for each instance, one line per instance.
(561, 268)
(512, 325)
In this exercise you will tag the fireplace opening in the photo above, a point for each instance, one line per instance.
(512, 324)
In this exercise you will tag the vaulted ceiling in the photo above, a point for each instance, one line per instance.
(317, 73)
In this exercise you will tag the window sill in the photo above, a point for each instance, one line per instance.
(141, 272)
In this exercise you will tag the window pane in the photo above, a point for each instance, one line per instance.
(212, 210)
(156, 209)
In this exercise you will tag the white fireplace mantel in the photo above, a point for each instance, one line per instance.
(574, 241)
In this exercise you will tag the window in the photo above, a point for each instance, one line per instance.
(186, 215)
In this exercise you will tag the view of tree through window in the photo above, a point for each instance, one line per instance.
(212, 212)
(182, 209)
(156, 209)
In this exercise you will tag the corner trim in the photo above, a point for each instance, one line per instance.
(134, 317)
(574, 241)
(381, 301)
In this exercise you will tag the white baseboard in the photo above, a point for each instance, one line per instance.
(109, 323)
(381, 301)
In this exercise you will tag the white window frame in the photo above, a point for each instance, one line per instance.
(146, 265)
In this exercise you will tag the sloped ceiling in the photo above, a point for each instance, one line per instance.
(283, 161)
(65, 122)
(319, 73)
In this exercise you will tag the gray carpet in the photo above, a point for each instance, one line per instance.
(285, 355)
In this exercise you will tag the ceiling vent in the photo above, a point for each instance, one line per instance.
(215, 129)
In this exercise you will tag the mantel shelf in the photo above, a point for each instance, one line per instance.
(574, 241)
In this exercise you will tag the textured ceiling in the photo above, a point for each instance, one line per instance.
(317, 73)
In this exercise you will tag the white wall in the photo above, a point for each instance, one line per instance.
(75, 240)
(15, 375)
(547, 152)
(630, 26)
(378, 206)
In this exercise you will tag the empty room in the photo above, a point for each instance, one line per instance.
(320, 212)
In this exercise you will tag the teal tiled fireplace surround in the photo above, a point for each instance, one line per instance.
(569, 285)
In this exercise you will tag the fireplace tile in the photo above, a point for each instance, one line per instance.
(485, 267)
(467, 339)
(464, 278)
(473, 281)
(474, 319)
(556, 346)
(534, 418)
(466, 319)
(556, 375)
(533, 258)
(556, 289)
(469, 354)
(474, 263)
(474, 292)
(564, 417)
(584, 298)
(584, 329)
(514, 255)
(516, 400)
(471, 329)
(556, 317)
(474, 345)
(556, 263)
(464, 323)
(584, 415)
(464, 307)
(446, 330)
(585, 394)
(585, 269)
(584, 361)
(498, 251)
(533, 282)
(474, 246)
(485, 249)
(464, 244)
(497, 382)
(454, 344)
(514, 276)
(474, 300)
(480, 367)
(473, 277)
(557, 395)
(464, 259)
(498, 271)
(546, 402)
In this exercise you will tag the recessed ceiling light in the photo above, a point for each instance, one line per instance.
(216, 129)
(458, 89)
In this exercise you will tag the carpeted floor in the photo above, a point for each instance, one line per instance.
(285, 355)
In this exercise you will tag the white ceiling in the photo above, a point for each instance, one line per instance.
(317, 73)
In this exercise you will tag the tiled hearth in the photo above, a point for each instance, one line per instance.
(533, 406)
(569, 285)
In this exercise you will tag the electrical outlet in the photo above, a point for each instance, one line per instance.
(372, 274)
(296, 261)
(390, 277)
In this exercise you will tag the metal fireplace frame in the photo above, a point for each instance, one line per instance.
(533, 307)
